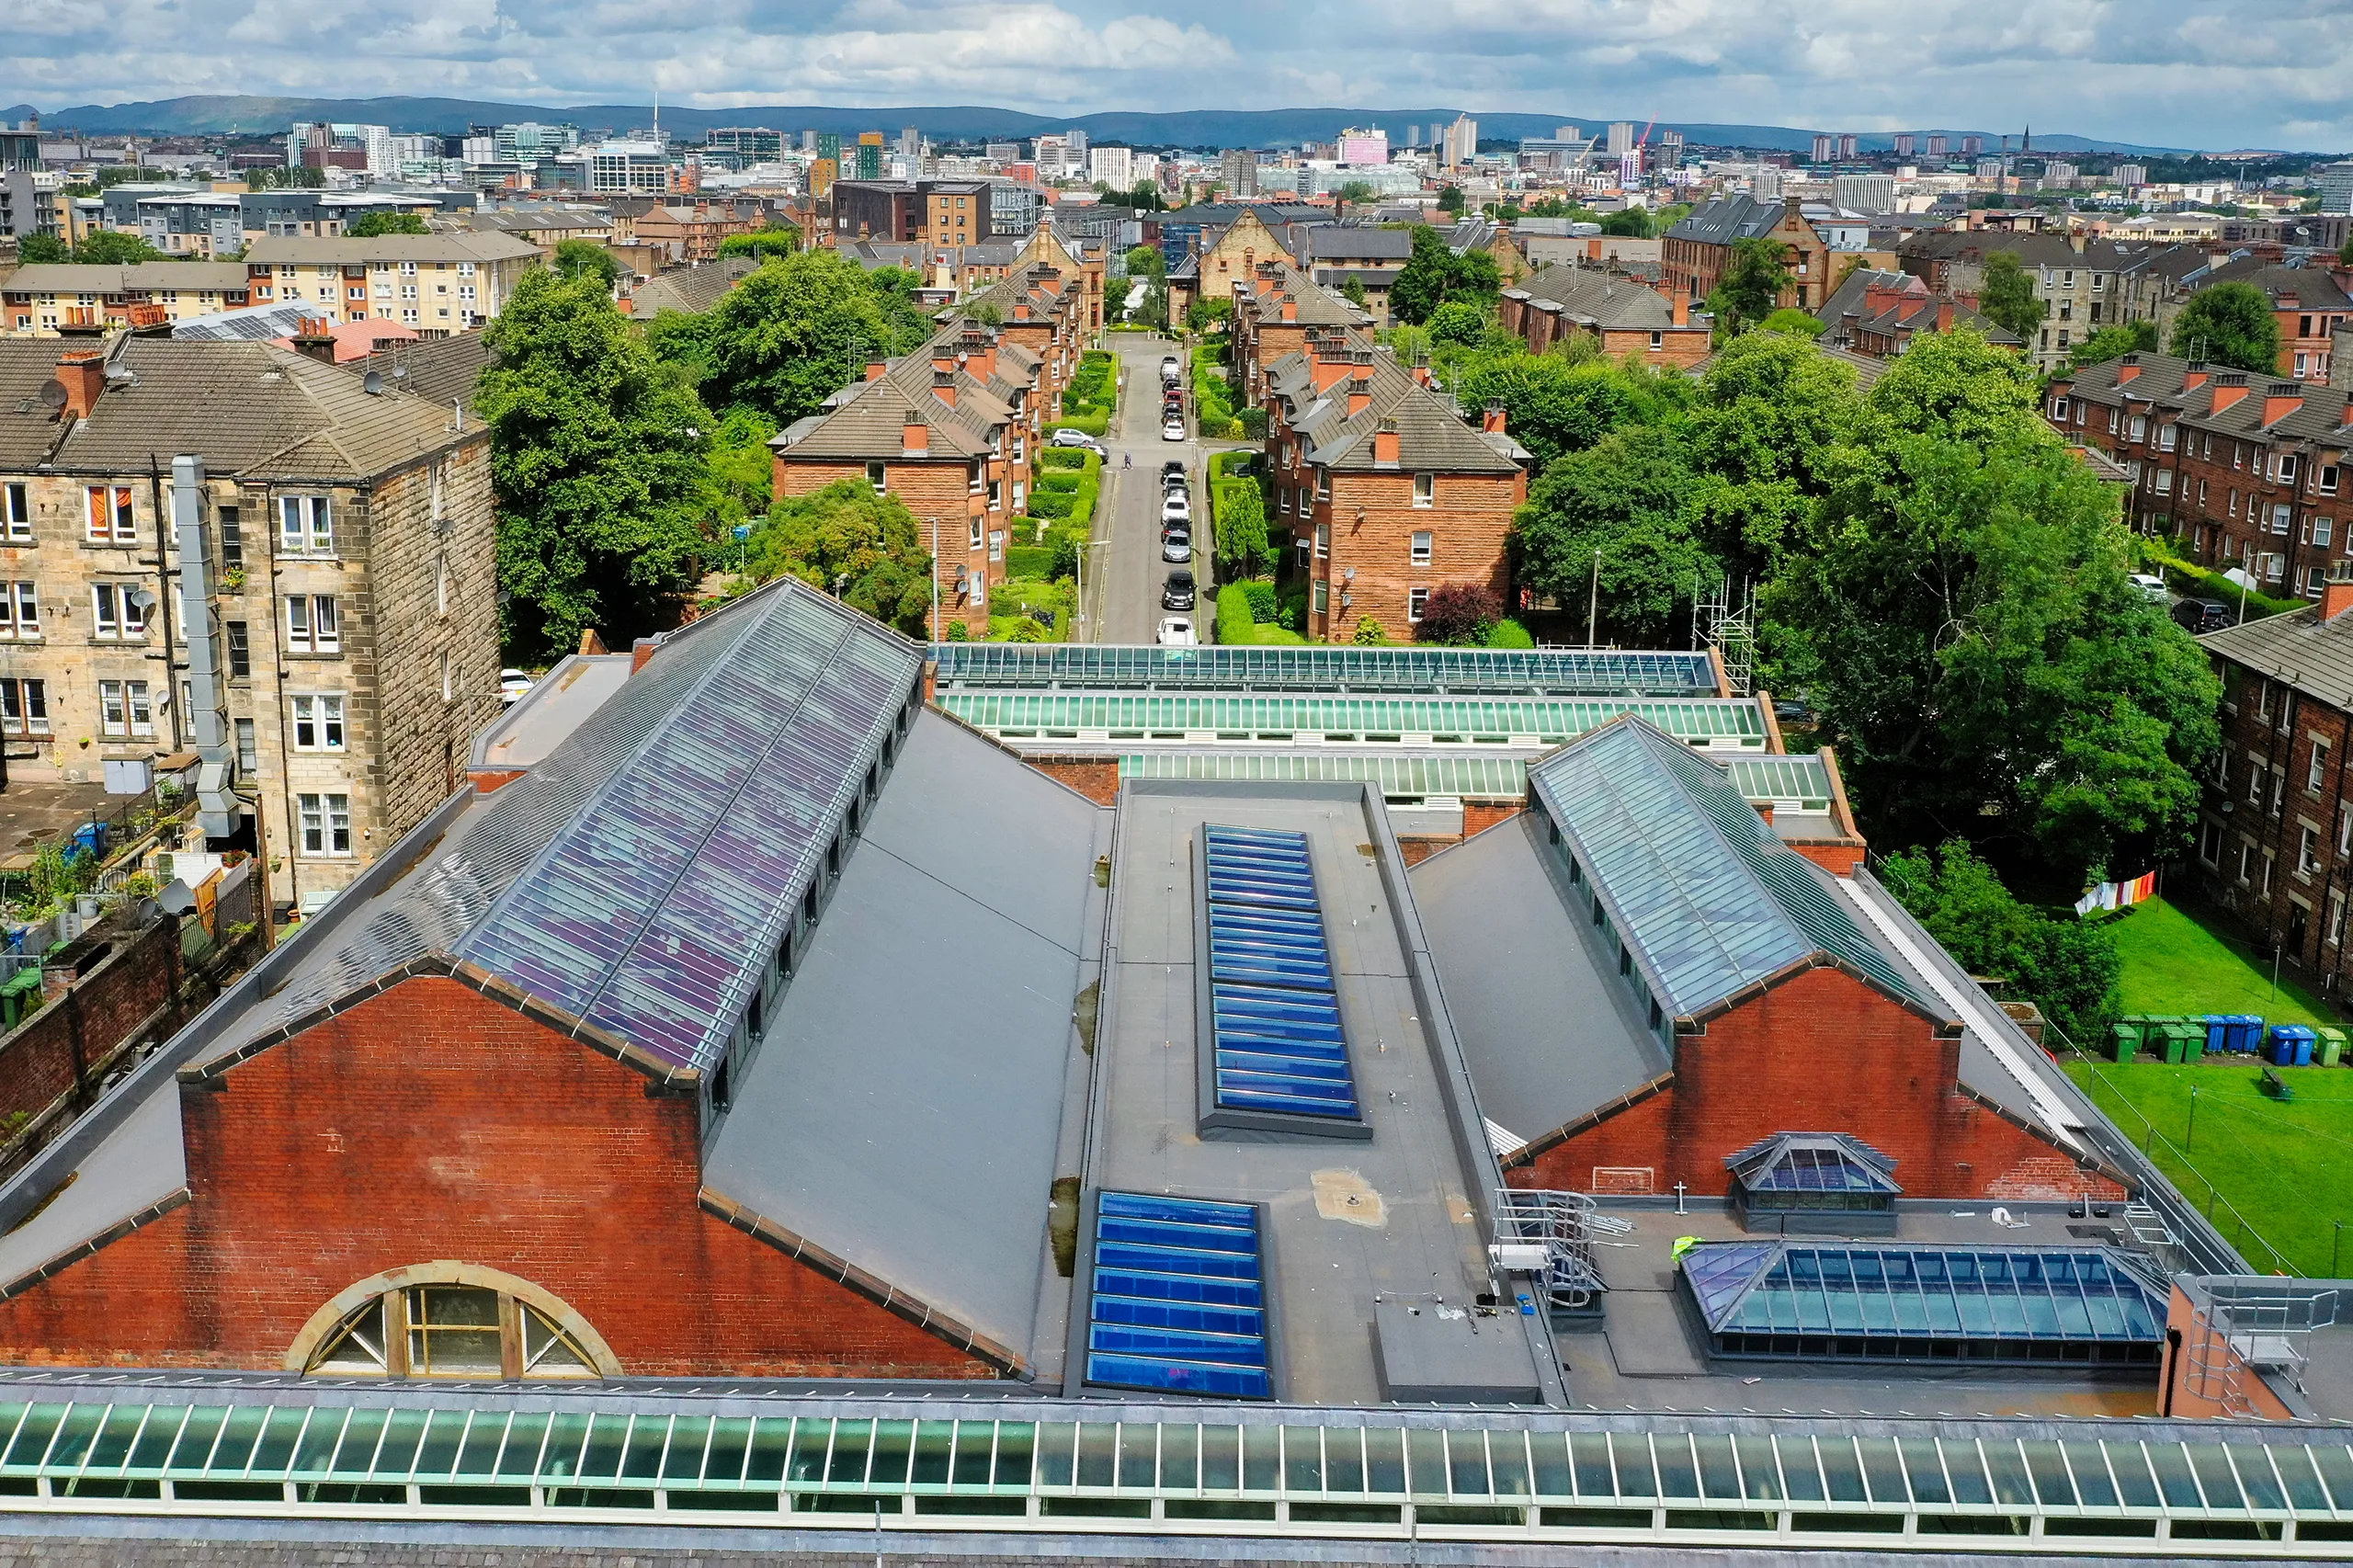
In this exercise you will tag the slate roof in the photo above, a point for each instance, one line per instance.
(1973, 246)
(2312, 289)
(461, 245)
(522, 219)
(1732, 218)
(1326, 242)
(2313, 656)
(438, 370)
(1430, 436)
(2322, 413)
(1915, 311)
(139, 278)
(248, 409)
(690, 289)
(1317, 305)
(1595, 297)
(868, 419)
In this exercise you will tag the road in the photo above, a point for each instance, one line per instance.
(1124, 571)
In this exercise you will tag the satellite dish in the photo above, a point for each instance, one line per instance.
(372, 383)
(52, 392)
(144, 597)
(175, 898)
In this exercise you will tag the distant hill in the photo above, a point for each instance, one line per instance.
(1192, 127)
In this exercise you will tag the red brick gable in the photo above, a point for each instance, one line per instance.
(431, 1122)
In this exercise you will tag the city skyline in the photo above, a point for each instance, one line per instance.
(2255, 84)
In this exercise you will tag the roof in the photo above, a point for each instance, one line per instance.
(457, 245)
(2312, 288)
(1595, 297)
(868, 419)
(1814, 1161)
(1559, 672)
(138, 277)
(247, 409)
(441, 370)
(1731, 218)
(1312, 303)
(1970, 247)
(1479, 719)
(1431, 435)
(1894, 304)
(2313, 656)
(2241, 405)
(519, 220)
(690, 289)
(920, 1151)
(1325, 241)
(1709, 901)
(258, 323)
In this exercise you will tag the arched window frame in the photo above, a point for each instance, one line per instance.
(516, 1298)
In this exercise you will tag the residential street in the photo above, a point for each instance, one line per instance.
(1125, 572)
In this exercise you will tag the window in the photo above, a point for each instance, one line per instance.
(240, 660)
(233, 538)
(977, 527)
(16, 511)
(1323, 539)
(2327, 479)
(2288, 468)
(2058, 410)
(327, 824)
(2279, 519)
(996, 544)
(2165, 436)
(2322, 528)
(2307, 852)
(310, 624)
(2209, 841)
(24, 707)
(2254, 784)
(318, 721)
(879, 475)
(124, 709)
(1424, 490)
(1416, 599)
(111, 516)
(2163, 480)
(19, 610)
(2140, 427)
(2336, 928)
(305, 525)
(1421, 551)
(248, 751)
(116, 612)
(1322, 485)
(1323, 596)
(450, 1331)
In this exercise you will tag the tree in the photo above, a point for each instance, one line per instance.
(371, 225)
(1147, 262)
(846, 539)
(586, 259)
(1434, 275)
(1459, 614)
(1357, 193)
(596, 451)
(42, 250)
(2069, 968)
(1552, 407)
(1457, 320)
(108, 247)
(795, 332)
(776, 239)
(2230, 324)
(1795, 322)
(1627, 223)
(2345, 254)
(1629, 498)
(1242, 544)
(1145, 197)
(2114, 343)
(1752, 281)
(1773, 431)
(1352, 291)
(2007, 297)
(1451, 199)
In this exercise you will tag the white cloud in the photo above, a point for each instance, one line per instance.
(2214, 72)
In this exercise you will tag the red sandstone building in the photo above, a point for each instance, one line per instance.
(1621, 314)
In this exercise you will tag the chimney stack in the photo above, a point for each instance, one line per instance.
(2229, 387)
(2127, 367)
(83, 371)
(314, 340)
(1492, 419)
(1681, 300)
(1944, 315)
(943, 386)
(1384, 443)
(875, 366)
(2193, 375)
(2337, 591)
(915, 439)
(2280, 399)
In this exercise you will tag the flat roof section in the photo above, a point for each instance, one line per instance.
(1345, 1224)
(554, 707)
(1550, 1033)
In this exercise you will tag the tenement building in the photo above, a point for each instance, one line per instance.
(350, 541)
(1696, 251)
(436, 283)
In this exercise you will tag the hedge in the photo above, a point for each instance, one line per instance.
(1093, 425)
(1234, 622)
(1509, 633)
(2188, 579)
(1035, 561)
(1063, 457)
(1059, 479)
(1051, 503)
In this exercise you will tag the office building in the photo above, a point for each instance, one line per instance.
(627, 168)
(1111, 167)
(1364, 147)
(1621, 139)
(1238, 172)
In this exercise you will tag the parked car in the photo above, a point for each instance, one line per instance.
(1174, 485)
(1178, 592)
(1171, 371)
(512, 686)
(1176, 631)
(2199, 616)
(1172, 431)
(1077, 438)
(1175, 509)
(1173, 466)
(1177, 545)
(2153, 586)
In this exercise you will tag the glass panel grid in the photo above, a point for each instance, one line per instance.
(1275, 1015)
(1020, 714)
(1176, 1299)
(1565, 671)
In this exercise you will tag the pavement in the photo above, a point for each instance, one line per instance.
(1124, 571)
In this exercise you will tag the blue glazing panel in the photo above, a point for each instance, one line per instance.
(1176, 1301)
(1275, 1024)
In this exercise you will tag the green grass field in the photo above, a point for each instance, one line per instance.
(2174, 963)
(2279, 1163)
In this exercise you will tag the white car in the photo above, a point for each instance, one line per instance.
(1174, 430)
(1171, 372)
(512, 686)
(2153, 586)
(1067, 437)
(1176, 507)
(1176, 631)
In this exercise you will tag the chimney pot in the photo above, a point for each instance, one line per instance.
(1492, 419)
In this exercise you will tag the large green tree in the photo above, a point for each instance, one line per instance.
(794, 333)
(848, 540)
(111, 247)
(2007, 297)
(1434, 276)
(1753, 279)
(368, 225)
(37, 250)
(2114, 342)
(1552, 407)
(587, 259)
(776, 239)
(1960, 616)
(2230, 324)
(597, 455)
(1773, 431)
(2067, 967)
(1627, 501)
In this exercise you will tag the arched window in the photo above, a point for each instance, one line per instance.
(473, 1323)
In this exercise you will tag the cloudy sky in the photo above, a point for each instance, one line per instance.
(2216, 74)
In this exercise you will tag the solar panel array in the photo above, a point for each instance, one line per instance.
(1845, 1300)
(1560, 671)
(651, 911)
(1177, 1300)
(1275, 1014)
(1702, 889)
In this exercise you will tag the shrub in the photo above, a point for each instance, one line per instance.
(1026, 631)
(1030, 561)
(1234, 621)
(1254, 423)
(1063, 457)
(958, 633)
(1459, 614)
(1059, 479)
(1370, 633)
(1293, 615)
(1090, 424)
(1064, 549)
(1261, 599)
(1051, 502)
(2068, 966)
(1509, 633)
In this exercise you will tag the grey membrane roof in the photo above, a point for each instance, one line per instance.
(630, 878)
(1563, 672)
(1711, 900)
(910, 1125)
(2319, 652)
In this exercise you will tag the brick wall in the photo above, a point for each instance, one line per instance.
(941, 495)
(1097, 778)
(1821, 1053)
(431, 1123)
(1468, 520)
(62, 1048)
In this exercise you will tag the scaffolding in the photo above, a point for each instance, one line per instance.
(1724, 617)
(1562, 1223)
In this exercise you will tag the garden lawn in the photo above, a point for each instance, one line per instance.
(2279, 1163)
(2175, 963)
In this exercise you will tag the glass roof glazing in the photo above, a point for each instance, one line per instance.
(1138, 714)
(2050, 1295)
(1705, 894)
(1275, 1019)
(1561, 672)
(651, 911)
(1176, 1301)
(1801, 779)
(1500, 777)
(1814, 1161)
